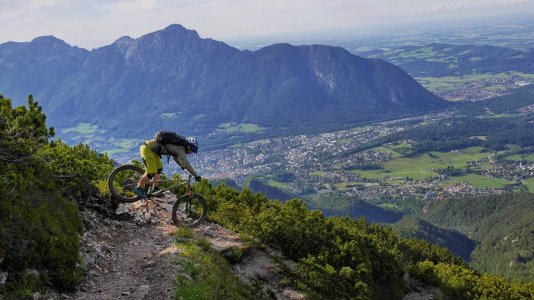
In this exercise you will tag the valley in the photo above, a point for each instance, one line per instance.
(315, 165)
(475, 87)
(377, 163)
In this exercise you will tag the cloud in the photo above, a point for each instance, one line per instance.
(519, 1)
(125, 7)
(445, 7)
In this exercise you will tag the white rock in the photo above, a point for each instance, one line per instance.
(122, 209)
(88, 259)
(3, 277)
(143, 291)
(147, 216)
(33, 272)
(168, 207)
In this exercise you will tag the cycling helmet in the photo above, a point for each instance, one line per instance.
(193, 144)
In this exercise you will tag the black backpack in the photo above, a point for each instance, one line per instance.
(169, 137)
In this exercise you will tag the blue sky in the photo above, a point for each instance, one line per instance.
(94, 23)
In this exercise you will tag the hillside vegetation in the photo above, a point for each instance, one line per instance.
(44, 183)
(344, 258)
(502, 225)
(41, 185)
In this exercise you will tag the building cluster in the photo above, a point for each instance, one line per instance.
(483, 89)
(326, 162)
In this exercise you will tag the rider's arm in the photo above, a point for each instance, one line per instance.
(178, 153)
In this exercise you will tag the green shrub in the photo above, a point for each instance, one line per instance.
(41, 185)
(206, 274)
(461, 282)
(360, 258)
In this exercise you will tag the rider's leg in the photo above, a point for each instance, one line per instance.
(140, 189)
(152, 165)
(157, 176)
(143, 181)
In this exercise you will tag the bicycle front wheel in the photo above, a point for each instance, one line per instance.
(123, 180)
(189, 211)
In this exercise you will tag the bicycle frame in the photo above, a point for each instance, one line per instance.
(180, 182)
(188, 209)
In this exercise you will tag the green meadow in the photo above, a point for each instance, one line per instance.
(345, 185)
(478, 181)
(239, 127)
(490, 115)
(453, 83)
(121, 145)
(422, 166)
(317, 173)
(88, 133)
(82, 128)
(390, 206)
(529, 183)
(521, 157)
(277, 184)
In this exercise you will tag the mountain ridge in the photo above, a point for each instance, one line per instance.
(202, 83)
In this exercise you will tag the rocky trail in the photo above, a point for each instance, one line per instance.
(136, 258)
(127, 261)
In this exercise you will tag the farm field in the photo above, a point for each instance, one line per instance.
(519, 157)
(530, 184)
(479, 181)
(425, 165)
(239, 127)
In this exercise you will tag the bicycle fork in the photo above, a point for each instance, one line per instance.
(189, 193)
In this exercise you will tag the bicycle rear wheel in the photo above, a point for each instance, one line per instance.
(189, 211)
(123, 180)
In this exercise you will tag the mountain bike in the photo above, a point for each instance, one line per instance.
(188, 210)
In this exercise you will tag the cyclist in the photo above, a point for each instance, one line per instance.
(151, 152)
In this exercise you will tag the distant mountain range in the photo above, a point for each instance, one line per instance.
(173, 76)
(438, 60)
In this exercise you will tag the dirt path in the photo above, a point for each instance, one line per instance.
(127, 261)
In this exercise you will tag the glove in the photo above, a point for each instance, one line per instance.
(198, 178)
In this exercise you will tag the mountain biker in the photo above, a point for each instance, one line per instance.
(151, 152)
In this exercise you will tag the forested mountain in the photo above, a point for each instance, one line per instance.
(437, 60)
(502, 226)
(456, 242)
(41, 66)
(133, 85)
